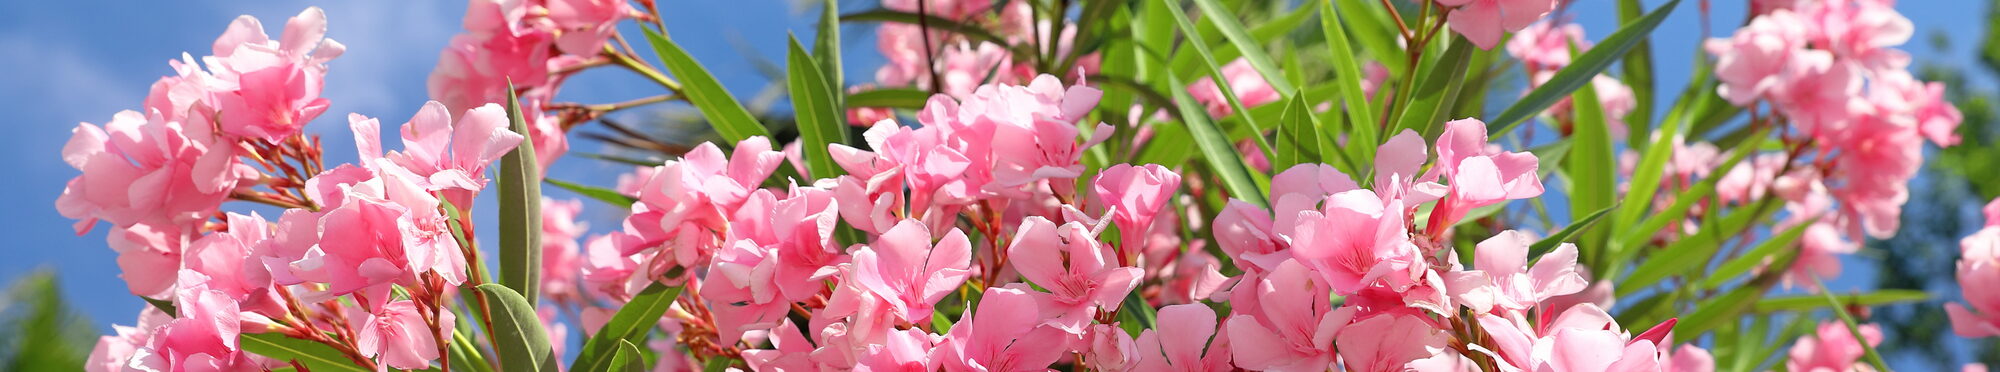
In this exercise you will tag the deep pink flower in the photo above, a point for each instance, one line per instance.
(201, 338)
(684, 205)
(1082, 276)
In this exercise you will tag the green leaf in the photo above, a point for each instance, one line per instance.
(1547, 244)
(1194, 39)
(1252, 51)
(1276, 28)
(1136, 315)
(1361, 117)
(1298, 136)
(630, 324)
(628, 358)
(902, 98)
(820, 121)
(165, 306)
(717, 364)
(1646, 177)
(1638, 75)
(522, 345)
(608, 196)
(520, 196)
(1580, 71)
(1627, 245)
(1592, 172)
(1870, 299)
(826, 45)
(1853, 327)
(1222, 158)
(1691, 253)
(1375, 30)
(464, 355)
(313, 355)
(934, 22)
(1436, 92)
(1716, 312)
(621, 159)
(730, 119)
(1755, 256)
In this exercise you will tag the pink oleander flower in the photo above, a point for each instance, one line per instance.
(1291, 326)
(1359, 241)
(560, 252)
(1506, 281)
(910, 274)
(1917, 103)
(1182, 342)
(1482, 21)
(1545, 46)
(1256, 238)
(1134, 195)
(1249, 86)
(582, 26)
(1020, 135)
(1001, 336)
(1748, 63)
(277, 82)
(449, 156)
(149, 258)
(377, 226)
(1865, 32)
(1582, 338)
(1479, 174)
(228, 259)
(140, 169)
(396, 333)
(1394, 342)
(1978, 267)
(113, 352)
(1832, 348)
(201, 338)
(684, 205)
(1106, 347)
(1082, 276)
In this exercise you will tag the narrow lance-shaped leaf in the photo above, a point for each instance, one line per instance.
(608, 196)
(520, 188)
(729, 118)
(1194, 39)
(1580, 71)
(1638, 75)
(826, 47)
(1250, 48)
(1592, 172)
(1810, 302)
(1756, 256)
(313, 355)
(902, 98)
(1347, 74)
(1222, 158)
(820, 121)
(628, 359)
(523, 346)
(630, 324)
(1853, 327)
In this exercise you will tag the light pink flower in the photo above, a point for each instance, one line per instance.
(1249, 86)
(1182, 342)
(1292, 325)
(1081, 275)
(144, 169)
(1505, 279)
(1545, 46)
(1978, 267)
(227, 259)
(1358, 241)
(113, 352)
(201, 338)
(1390, 342)
(560, 252)
(1748, 63)
(910, 274)
(1864, 32)
(684, 205)
(148, 258)
(1000, 336)
(1134, 195)
(449, 156)
(1479, 174)
(278, 82)
(1106, 347)
(397, 334)
(1832, 348)
(1482, 21)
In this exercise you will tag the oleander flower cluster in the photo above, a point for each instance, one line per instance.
(1048, 203)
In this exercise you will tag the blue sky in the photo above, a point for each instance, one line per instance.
(83, 60)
